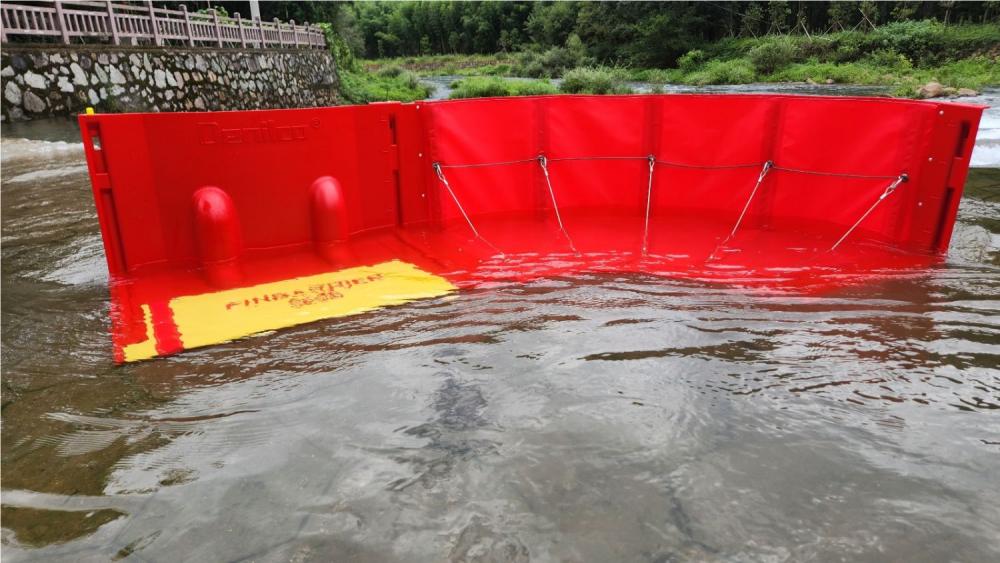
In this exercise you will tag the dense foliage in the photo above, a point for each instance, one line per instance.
(633, 33)
(599, 46)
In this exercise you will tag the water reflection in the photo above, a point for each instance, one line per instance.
(603, 417)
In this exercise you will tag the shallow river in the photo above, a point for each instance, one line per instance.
(599, 418)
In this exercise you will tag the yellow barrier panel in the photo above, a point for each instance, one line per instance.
(212, 318)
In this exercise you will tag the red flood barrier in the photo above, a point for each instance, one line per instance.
(219, 225)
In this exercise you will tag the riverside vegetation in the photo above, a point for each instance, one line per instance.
(600, 47)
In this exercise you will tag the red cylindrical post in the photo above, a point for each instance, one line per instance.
(329, 217)
(218, 236)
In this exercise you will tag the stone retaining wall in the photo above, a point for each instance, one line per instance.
(41, 81)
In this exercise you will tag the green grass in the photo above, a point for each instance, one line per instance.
(500, 64)
(364, 87)
(491, 86)
(736, 71)
(597, 80)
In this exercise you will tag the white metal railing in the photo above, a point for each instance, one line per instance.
(132, 24)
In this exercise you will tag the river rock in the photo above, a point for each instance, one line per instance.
(931, 90)
(160, 78)
(64, 85)
(116, 76)
(967, 92)
(94, 98)
(12, 93)
(33, 103)
(79, 77)
(35, 80)
(19, 63)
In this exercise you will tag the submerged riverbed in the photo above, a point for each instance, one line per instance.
(594, 418)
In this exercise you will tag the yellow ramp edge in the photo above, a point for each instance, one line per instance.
(147, 348)
(212, 318)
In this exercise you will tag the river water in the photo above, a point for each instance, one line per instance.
(598, 418)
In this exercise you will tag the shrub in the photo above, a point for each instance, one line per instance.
(554, 61)
(532, 69)
(821, 47)
(733, 71)
(390, 71)
(496, 70)
(593, 81)
(848, 46)
(691, 60)
(773, 54)
(490, 87)
(339, 49)
(915, 39)
(889, 59)
(364, 87)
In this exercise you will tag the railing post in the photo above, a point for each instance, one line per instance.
(281, 38)
(152, 22)
(62, 23)
(295, 33)
(112, 24)
(187, 25)
(260, 31)
(239, 25)
(218, 30)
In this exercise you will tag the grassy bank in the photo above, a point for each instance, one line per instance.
(359, 85)
(901, 56)
(391, 83)
(501, 64)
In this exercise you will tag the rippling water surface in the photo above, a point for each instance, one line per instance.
(599, 418)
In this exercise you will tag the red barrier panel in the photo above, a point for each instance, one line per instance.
(196, 204)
